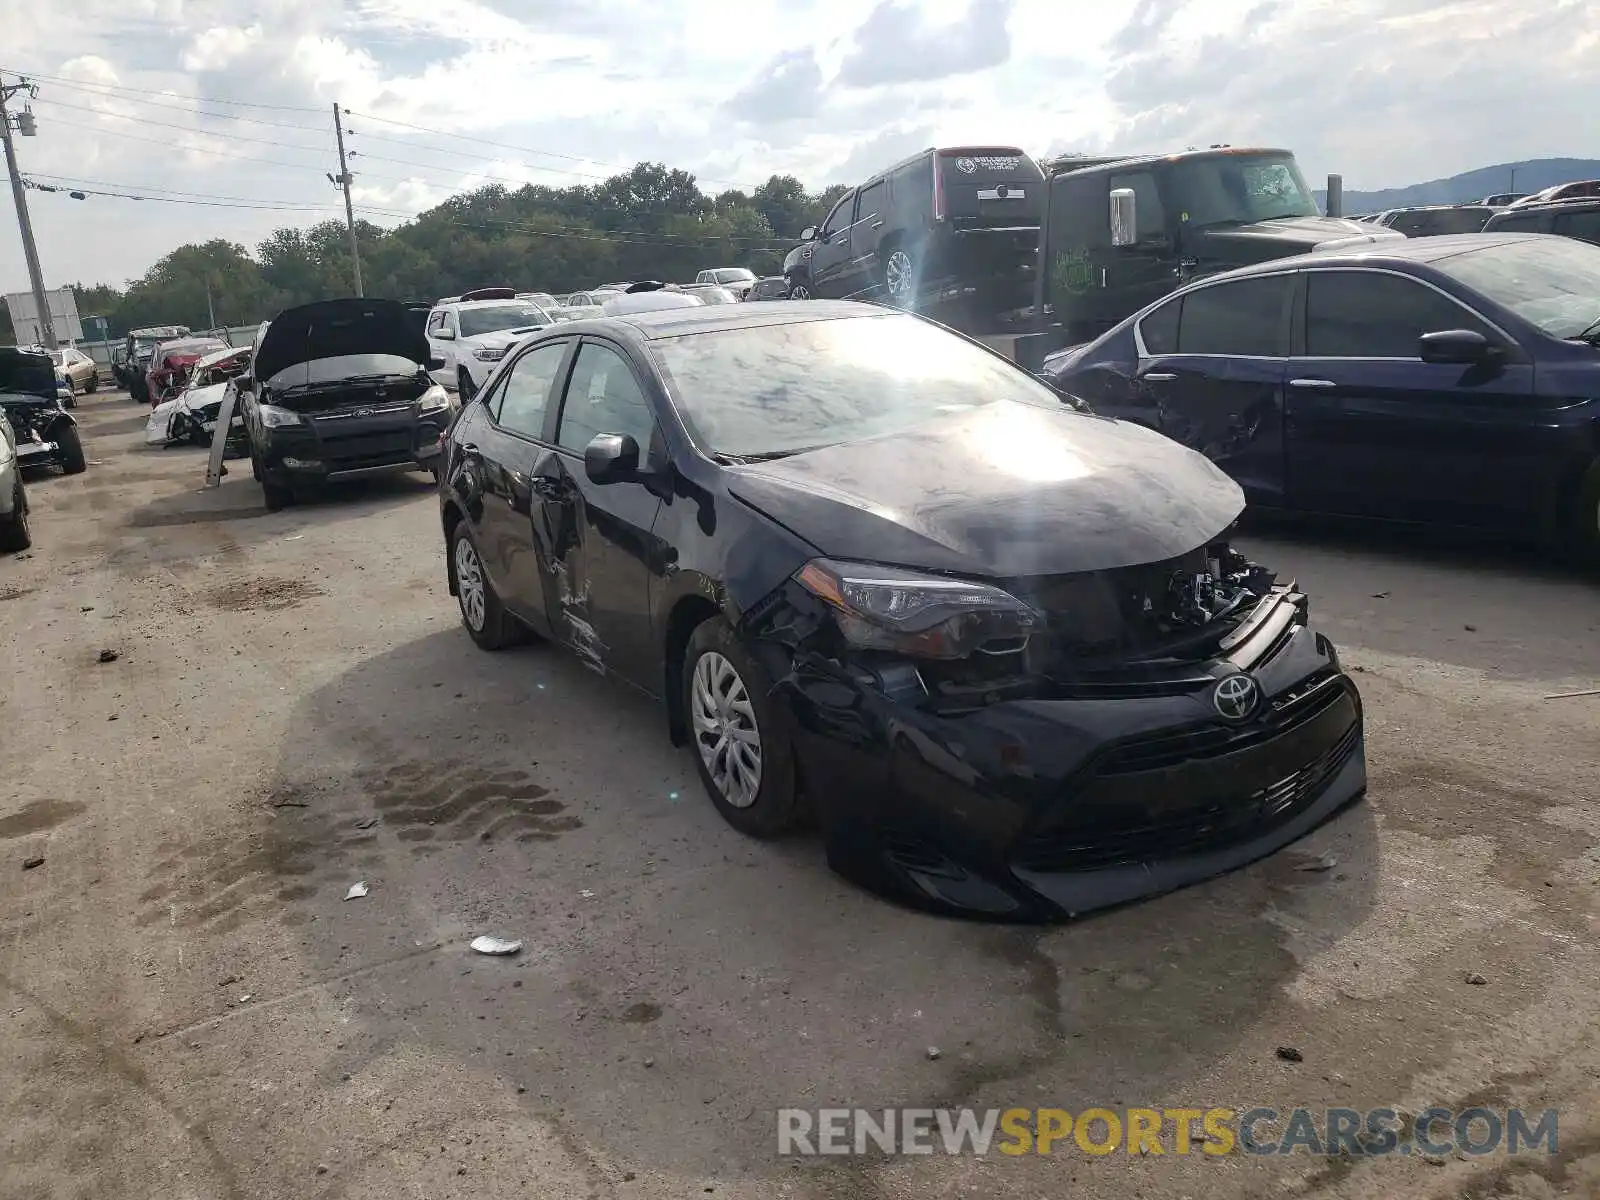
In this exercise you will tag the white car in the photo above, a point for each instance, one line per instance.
(648, 301)
(192, 416)
(737, 280)
(473, 333)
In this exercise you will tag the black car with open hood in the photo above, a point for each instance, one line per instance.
(338, 390)
(46, 433)
(1001, 648)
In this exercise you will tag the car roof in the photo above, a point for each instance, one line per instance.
(715, 318)
(1570, 204)
(1370, 254)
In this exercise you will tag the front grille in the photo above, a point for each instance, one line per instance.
(1185, 794)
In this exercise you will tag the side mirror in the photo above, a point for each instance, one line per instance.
(611, 458)
(435, 363)
(808, 234)
(445, 335)
(243, 382)
(1124, 217)
(1464, 346)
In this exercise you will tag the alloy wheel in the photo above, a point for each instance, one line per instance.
(725, 730)
(799, 292)
(897, 274)
(470, 585)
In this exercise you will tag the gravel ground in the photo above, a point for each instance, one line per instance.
(192, 1010)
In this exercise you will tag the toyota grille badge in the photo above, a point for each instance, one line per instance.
(1235, 697)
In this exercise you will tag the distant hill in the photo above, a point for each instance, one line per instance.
(1532, 175)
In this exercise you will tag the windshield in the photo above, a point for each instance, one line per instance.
(732, 275)
(779, 389)
(500, 316)
(1552, 282)
(195, 348)
(344, 366)
(1238, 189)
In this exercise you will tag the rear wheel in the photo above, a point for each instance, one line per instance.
(799, 290)
(486, 619)
(742, 746)
(900, 276)
(94, 384)
(72, 460)
(15, 536)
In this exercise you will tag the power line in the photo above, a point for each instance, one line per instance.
(183, 108)
(463, 137)
(266, 162)
(137, 187)
(88, 191)
(234, 137)
(112, 87)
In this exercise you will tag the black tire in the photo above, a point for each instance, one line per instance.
(15, 536)
(1583, 523)
(94, 384)
(71, 445)
(276, 496)
(138, 391)
(255, 464)
(465, 388)
(775, 809)
(900, 276)
(72, 397)
(486, 621)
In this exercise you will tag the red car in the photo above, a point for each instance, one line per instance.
(173, 362)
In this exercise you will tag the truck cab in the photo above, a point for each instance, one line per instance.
(1122, 231)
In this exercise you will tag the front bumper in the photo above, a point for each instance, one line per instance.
(339, 446)
(1044, 809)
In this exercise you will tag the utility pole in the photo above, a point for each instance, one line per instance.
(349, 213)
(47, 329)
(211, 310)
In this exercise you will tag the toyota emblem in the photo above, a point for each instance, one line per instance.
(1235, 697)
(966, 166)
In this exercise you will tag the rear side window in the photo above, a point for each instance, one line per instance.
(1369, 314)
(1159, 330)
(1521, 223)
(525, 396)
(1585, 225)
(1248, 317)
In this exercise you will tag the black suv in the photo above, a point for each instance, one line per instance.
(1570, 218)
(337, 390)
(928, 228)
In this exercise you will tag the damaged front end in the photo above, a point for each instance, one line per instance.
(1041, 746)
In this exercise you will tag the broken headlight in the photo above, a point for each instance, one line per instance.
(921, 616)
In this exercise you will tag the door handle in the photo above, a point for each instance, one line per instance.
(877, 224)
(1312, 383)
(1158, 377)
(470, 450)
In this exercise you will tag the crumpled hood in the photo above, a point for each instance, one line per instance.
(1004, 491)
(196, 398)
(25, 373)
(331, 328)
(1301, 233)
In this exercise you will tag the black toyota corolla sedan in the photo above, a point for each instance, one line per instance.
(1000, 649)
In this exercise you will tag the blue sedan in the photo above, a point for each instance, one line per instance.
(1450, 380)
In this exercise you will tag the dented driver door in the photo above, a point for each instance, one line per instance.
(594, 542)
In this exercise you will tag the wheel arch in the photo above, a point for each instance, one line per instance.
(688, 613)
(450, 516)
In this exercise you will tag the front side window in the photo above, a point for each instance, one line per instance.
(1148, 208)
(1245, 318)
(603, 396)
(840, 216)
(1371, 314)
(525, 395)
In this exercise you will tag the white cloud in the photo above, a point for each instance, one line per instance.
(1388, 92)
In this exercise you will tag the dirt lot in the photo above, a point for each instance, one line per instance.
(191, 1009)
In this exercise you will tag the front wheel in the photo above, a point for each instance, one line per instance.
(71, 444)
(742, 745)
(799, 290)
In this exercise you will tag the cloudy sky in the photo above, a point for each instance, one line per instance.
(223, 106)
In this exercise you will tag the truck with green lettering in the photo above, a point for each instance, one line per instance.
(1120, 231)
